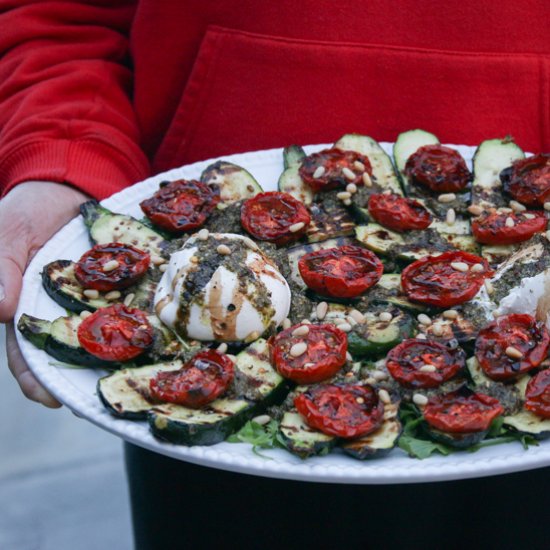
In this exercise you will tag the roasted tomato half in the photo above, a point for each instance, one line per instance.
(438, 168)
(111, 266)
(537, 394)
(334, 168)
(275, 217)
(424, 363)
(341, 410)
(446, 280)
(309, 353)
(341, 272)
(181, 205)
(398, 213)
(205, 377)
(461, 412)
(512, 345)
(501, 228)
(528, 180)
(116, 333)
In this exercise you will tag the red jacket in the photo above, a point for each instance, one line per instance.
(100, 93)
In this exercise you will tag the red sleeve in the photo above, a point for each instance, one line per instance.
(65, 84)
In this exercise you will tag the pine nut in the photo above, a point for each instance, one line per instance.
(157, 260)
(385, 317)
(366, 179)
(437, 329)
(262, 419)
(194, 260)
(446, 197)
(451, 216)
(517, 206)
(250, 243)
(321, 310)
(513, 352)
(489, 287)
(113, 295)
(378, 375)
(509, 222)
(384, 396)
(222, 348)
(423, 319)
(359, 166)
(421, 337)
(343, 195)
(203, 234)
(504, 210)
(348, 173)
(85, 313)
(110, 265)
(287, 323)
(529, 216)
(295, 227)
(128, 299)
(319, 172)
(298, 349)
(223, 249)
(460, 266)
(163, 267)
(302, 330)
(91, 293)
(547, 206)
(477, 268)
(347, 202)
(351, 188)
(344, 327)
(305, 322)
(420, 400)
(357, 316)
(387, 192)
(349, 358)
(427, 368)
(452, 313)
(359, 400)
(547, 234)
(475, 210)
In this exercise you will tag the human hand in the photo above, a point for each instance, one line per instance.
(29, 215)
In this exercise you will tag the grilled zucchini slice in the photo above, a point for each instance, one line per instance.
(107, 227)
(290, 181)
(302, 440)
(259, 386)
(235, 183)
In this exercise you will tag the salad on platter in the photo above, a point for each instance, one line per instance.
(369, 303)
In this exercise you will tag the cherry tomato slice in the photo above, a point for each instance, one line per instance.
(528, 180)
(438, 168)
(309, 353)
(334, 168)
(537, 394)
(181, 205)
(500, 228)
(462, 412)
(205, 377)
(116, 333)
(497, 344)
(439, 281)
(111, 266)
(412, 361)
(275, 217)
(341, 272)
(398, 213)
(341, 410)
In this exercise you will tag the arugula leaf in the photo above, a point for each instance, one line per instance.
(412, 439)
(260, 436)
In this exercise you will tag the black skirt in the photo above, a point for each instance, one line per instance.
(180, 505)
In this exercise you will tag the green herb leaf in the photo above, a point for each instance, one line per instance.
(260, 436)
(422, 448)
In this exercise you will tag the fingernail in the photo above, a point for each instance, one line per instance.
(2, 292)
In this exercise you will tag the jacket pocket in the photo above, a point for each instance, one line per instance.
(249, 92)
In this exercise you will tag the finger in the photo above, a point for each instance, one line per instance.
(29, 385)
(11, 276)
